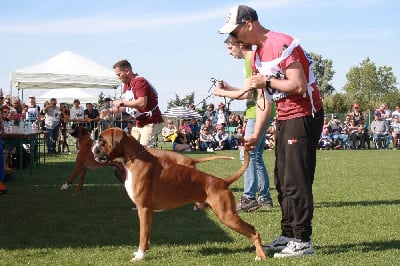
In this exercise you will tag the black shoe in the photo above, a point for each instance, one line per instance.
(247, 205)
(266, 203)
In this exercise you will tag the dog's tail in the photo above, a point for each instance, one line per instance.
(240, 172)
(211, 158)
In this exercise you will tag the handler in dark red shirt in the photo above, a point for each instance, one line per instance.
(140, 100)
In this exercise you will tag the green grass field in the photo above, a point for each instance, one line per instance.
(357, 213)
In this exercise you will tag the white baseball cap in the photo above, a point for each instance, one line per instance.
(238, 15)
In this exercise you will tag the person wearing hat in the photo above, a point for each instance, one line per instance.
(283, 72)
(356, 114)
(380, 132)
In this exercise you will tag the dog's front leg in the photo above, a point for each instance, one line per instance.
(145, 220)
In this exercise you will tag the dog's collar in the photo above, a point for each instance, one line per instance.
(133, 157)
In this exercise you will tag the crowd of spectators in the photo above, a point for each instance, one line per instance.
(354, 133)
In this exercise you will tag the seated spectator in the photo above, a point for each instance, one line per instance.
(235, 120)
(338, 132)
(169, 132)
(208, 124)
(184, 124)
(236, 142)
(353, 135)
(181, 142)
(222, 139)
(380, 130)
(206, 140)
(325, 142)
(364, 135)
(395, 129)
(194, 132)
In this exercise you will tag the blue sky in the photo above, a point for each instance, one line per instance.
(175, 43)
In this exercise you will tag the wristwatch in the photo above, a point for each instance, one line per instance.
(268, 81)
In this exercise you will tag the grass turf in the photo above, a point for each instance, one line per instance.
(357, 212)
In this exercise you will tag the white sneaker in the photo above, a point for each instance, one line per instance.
(296, 248)
(278, 244)
(209, 150)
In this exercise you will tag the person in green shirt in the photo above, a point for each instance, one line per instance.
(256, 175)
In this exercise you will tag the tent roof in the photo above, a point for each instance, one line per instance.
(65, 70)
(66, 96)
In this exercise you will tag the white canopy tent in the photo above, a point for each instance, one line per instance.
(63, 71)
(67, 96)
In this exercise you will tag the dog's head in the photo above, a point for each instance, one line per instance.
(107, 148)
(79, 132)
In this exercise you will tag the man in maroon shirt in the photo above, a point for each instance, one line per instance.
(140, 100)
(283, 72)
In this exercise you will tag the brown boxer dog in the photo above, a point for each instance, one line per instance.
(156, 184)
(85, 160)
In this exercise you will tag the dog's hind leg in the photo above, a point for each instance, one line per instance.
(223, 205)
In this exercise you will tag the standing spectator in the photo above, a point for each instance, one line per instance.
(92, 117)
(106, 115)
(286, 77)
(221, 116)
(210, 113)
(16, 105)
(256, 176)
(357, 115)
(386, 113)
(77, 114)
(396, 111)
(33, 111)
(52, 122)
(64, 119)
(395, 129)
(140, 100)
(380, 131)
(128, 128)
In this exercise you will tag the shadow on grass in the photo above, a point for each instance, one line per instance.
(356, 203)
(361, 247)
(37, 214)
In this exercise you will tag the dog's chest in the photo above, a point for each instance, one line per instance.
(129, 183)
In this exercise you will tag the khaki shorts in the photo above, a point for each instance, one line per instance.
(147, 135)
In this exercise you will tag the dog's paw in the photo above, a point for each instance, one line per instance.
(64, 186)
(137, 256)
